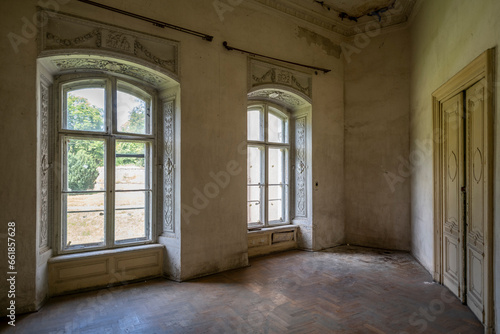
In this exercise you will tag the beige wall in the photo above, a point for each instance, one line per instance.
(377, 196)
(212, 125)
(446, 36)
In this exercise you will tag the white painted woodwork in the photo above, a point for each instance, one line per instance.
(477, 195)
(271, 240)
(464, 219)
(77, 272)
(453, 181)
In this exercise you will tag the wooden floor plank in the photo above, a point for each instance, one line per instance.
(341, 290)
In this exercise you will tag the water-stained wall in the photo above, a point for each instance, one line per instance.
(377, 173)
(211, 126)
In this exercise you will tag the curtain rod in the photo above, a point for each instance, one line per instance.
(230, 48)
(150, 20)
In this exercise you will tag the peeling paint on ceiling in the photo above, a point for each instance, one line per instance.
(345, 17)
(357, 8)
(331, 48)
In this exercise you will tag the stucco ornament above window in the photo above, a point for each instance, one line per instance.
(267, 75)
(65, 34)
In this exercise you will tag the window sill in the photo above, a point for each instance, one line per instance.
(104, 252)
(273, 228)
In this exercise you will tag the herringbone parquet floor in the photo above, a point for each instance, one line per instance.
(341, 290)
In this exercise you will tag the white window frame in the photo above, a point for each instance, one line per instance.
(265, 145)
(110, 135)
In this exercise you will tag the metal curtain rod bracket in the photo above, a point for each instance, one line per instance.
(230, 48)
(150, 20)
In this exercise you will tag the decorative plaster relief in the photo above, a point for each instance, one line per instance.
(64, 32)
(262, 73)
(168, 166)
(281, 97)
(109, 66)
(44, 168)
(300, 168)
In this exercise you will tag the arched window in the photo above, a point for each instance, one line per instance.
(105, 144)
(268, 165)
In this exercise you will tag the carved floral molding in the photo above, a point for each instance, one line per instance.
(109, 66)
(281, 97)
(73, 34)
(44, 168)
(267, 74)
(300, 168)
(168, 166)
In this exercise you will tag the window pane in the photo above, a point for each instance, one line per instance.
(253, 212)
(276, 129)
(254, 125)
(85, 109)
(276, 165)
(254, 165)
(275, 193)
(130, 214)
(131, 164)
(254, 193)
(84, 218)
(85, 165)
(132, 114)
(275, 211)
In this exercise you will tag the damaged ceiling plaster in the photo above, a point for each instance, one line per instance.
(346, 17)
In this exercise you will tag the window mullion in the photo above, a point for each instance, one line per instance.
(148, 161)
(265, 169)
(110, 164)
(110, 194)
(111, 104)
(265, 185)
(284, 191)
(64, 182)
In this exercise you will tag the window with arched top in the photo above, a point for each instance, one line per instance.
(105, 144)
(268, 165)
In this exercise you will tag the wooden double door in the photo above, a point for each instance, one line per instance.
(466, 198)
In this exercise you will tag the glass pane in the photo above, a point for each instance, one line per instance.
(253, 193)
(276, 128)
(254, 165)
(131, 114)
(130, 215)
(130, 173)
(275, 211)
(276, 165)
(254, 125)
(85, 109)
(253, 213)
(85, 165)
(275, 193)
(84, 218)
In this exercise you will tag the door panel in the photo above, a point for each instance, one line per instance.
(477, 194)
(453, 201)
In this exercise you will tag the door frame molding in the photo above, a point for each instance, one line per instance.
(481, 67)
